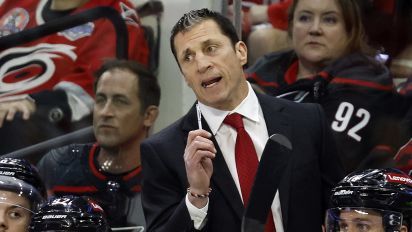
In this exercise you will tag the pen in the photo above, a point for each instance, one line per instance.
(199, 116)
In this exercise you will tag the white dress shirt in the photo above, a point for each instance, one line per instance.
(225, 135)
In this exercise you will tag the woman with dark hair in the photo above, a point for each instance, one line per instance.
(332, 64)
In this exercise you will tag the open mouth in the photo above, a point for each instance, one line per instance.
(211, 83)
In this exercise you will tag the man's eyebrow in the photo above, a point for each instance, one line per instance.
(14, 206)
(211, 42)
(208, 41)
(356, 220)
(204, 43)
(120, 96)
(116, 95)
(100, 94)
(185, 52)
(363, 220)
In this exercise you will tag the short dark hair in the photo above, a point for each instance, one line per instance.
(194, 17)
(148, 90)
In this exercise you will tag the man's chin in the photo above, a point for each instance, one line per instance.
(108, 143)
(112, 149)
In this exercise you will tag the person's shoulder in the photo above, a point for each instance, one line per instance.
(287, 104)
(65, 155)
(300, 115)
(360, 67)
(167, 133)
(268, 60)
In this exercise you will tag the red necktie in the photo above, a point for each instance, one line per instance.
(246, 161)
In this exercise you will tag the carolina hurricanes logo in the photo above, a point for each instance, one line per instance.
(25, 68)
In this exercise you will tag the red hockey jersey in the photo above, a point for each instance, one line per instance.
(67, 59)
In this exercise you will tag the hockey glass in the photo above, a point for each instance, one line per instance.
(362, 220)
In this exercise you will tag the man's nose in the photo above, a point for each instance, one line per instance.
(203, 63)
(107, 109)
(3, 221)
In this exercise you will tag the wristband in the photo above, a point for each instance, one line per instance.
(195, 195)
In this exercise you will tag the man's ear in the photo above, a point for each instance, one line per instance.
(404, 228)
(241, 52)
(150, 115)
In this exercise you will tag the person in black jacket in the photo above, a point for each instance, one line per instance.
(127, 99)
(332, 65)
(192, 179)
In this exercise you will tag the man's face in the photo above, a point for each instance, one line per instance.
(14, 212)
(356, 221)
(211, 66)
(117, 118)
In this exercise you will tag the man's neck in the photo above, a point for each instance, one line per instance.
(120, 160)
(60, 5)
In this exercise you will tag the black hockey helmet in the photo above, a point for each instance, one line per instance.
(19, 176)
(70, 213)
(386, 191)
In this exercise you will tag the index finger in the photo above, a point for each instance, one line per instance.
(199, 132)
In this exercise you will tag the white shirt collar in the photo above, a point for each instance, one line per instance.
(249, 108)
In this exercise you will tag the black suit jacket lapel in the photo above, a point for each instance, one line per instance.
(277, 123)
(222, 180)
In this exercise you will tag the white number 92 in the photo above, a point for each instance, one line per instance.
(343, 116)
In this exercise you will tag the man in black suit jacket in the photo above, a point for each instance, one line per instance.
(189, 174)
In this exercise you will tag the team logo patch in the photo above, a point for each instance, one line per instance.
(25, 68)
(13, 21)
(78, 32)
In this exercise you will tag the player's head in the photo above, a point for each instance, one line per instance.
(70, 214)
(196, 17)
(148, 89)
(21, 193)
(371, 200)
(126, 103)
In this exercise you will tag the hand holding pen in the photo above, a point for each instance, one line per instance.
(198, 156)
